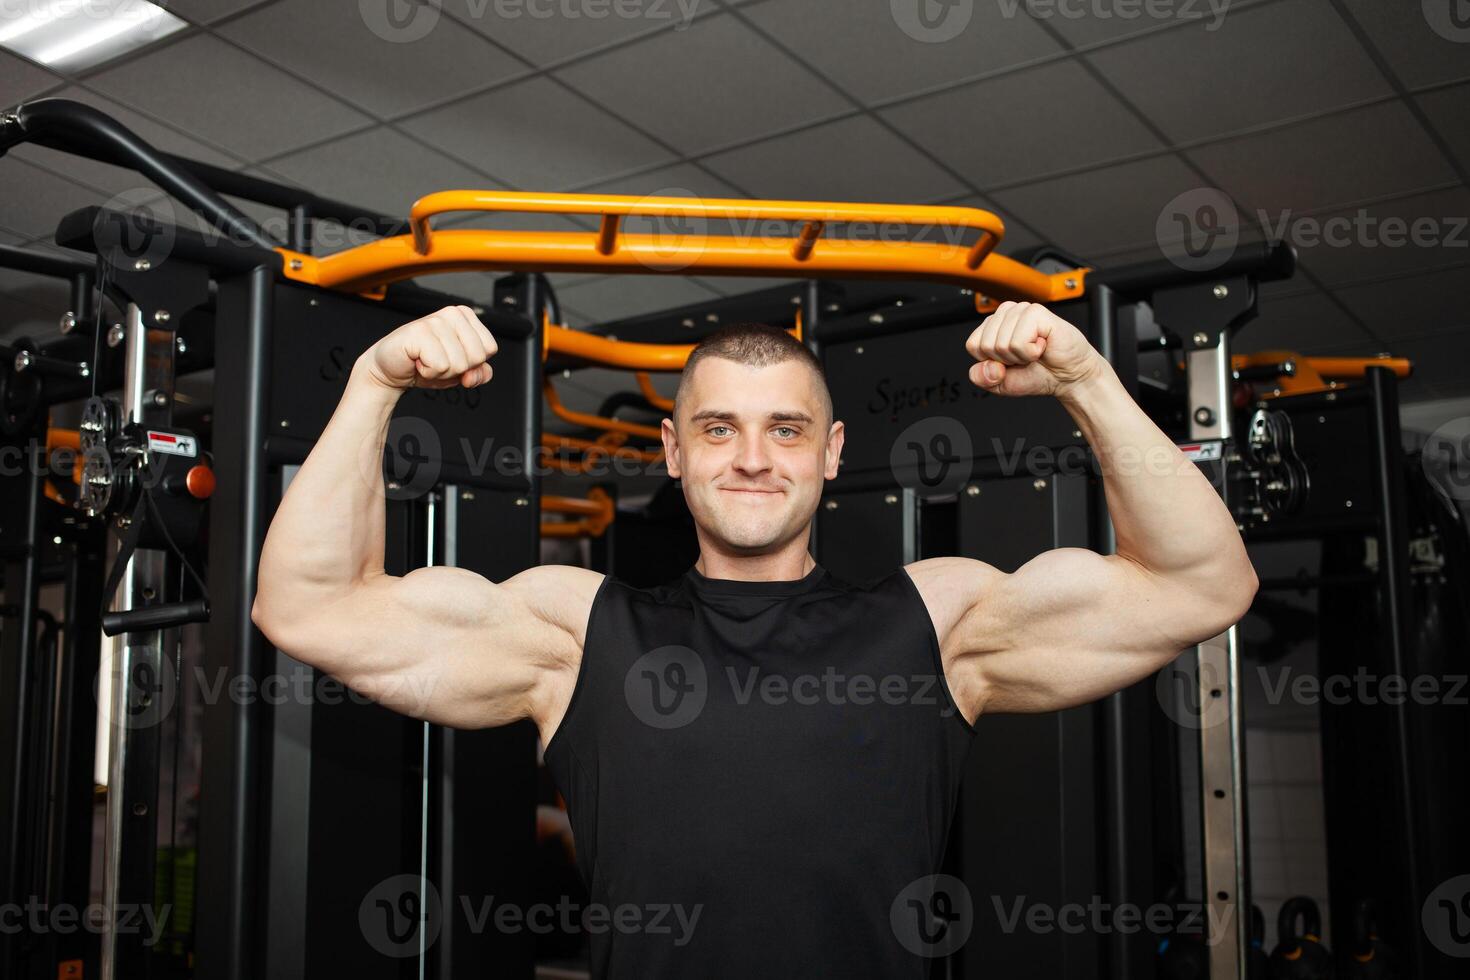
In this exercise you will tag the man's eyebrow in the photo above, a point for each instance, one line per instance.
(724, 415)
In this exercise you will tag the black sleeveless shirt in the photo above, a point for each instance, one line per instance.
(760, 778)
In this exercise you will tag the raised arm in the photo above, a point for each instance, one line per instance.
(439, 643)
(1071, 625)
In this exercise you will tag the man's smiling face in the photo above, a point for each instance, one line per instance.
(752, 446)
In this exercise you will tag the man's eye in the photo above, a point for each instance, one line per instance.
(786, 428)
(712, 429)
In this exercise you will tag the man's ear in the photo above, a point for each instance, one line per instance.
(836, 435)
(671, 447)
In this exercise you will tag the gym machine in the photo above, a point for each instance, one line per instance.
(325, 796)
(285, 322)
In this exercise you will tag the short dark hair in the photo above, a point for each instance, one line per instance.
(756, 344)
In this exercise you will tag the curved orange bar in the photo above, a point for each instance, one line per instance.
(815, 215)
(616, 353)
(645, 385)
(803, 253)
(596, 513)
(595, 421)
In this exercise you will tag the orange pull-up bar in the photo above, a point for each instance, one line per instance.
(756, 252)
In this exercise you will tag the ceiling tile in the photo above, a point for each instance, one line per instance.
(1285, 60)
(615, 297)
(208, 11)
(1414, 306)
(1417, 52)
(329, 43)
(380, 169)
(861, 46)
(21, 80)
(1326, 162)
(1304, 323)
(800, 166)
(1413, 234)
(546, 31)
(536, 135)
(1098, 128)
(1097, 23)
(1439, 360)
(760, 89)
(680, 180)
(1102, 211)
(239, 108)
(44, 201)
(1449, 113)
(1282, 288)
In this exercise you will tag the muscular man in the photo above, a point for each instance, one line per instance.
(768, 751)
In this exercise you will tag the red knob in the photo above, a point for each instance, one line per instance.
(200, 482)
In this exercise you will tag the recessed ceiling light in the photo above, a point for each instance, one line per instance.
(70, 35)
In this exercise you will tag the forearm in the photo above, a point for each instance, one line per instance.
(1166, 516)
(328, 533)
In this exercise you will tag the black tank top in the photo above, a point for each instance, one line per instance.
(760, 778)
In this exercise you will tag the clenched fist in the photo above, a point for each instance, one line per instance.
(1026, 349)
(444, 349)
